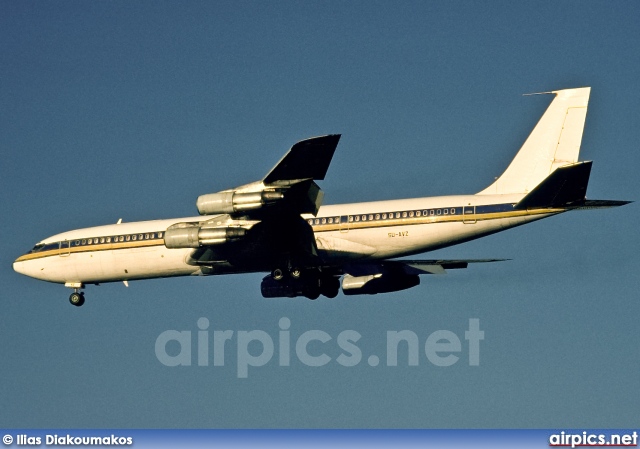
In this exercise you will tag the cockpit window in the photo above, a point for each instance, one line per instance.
(38, 247)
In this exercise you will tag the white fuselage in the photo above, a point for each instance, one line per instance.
(358, 231)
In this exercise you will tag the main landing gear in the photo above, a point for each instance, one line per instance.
(297, 282)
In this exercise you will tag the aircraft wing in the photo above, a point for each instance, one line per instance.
(410, 267)
(270, 210)
(307, 159)
(394, 275)
(288, 188)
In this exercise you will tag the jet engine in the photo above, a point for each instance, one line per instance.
(378, 283)
(190, 235)
(232, 202)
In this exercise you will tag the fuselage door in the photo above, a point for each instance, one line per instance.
(469, 214)
(344, 223)
(65, 248)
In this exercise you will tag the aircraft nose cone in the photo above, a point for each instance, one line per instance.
(22, 267)
(19, 267)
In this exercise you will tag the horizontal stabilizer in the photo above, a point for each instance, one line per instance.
(600, 204)
(307, 159)
(565, 186)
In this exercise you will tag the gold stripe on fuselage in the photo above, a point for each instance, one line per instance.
(91, 248)
(431, 219)
(352, 225)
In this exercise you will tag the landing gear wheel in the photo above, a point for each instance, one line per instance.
(330, 287)
(296, 273)
(312, 289)
(312, 293)
(277, 274)
(77, 299)
(331, 294)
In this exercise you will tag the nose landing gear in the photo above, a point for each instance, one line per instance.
(76, 298)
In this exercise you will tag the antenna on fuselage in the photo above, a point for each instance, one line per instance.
(537, 93)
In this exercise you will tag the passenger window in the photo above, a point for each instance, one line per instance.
(384, 216)
(350, 218)
(357, 217)
(377, 216)
(417, 213)
(330, 221)
(411, 214)
(431, 212)
(127, 238)
(404, 215)
(159, 235)
(446, 211)
(108, 240)
(364, 218)
(453, 211)
(439, 212)
(101, 239)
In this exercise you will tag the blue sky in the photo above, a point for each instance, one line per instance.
(132, 109)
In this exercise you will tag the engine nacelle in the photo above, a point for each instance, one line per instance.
(188, 235)
(378, 283)
(232, 202)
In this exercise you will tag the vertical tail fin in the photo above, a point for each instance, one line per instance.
(553, 143)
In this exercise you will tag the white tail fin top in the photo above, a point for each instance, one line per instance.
(553, 143)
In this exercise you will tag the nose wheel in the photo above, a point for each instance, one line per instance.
(77, 299)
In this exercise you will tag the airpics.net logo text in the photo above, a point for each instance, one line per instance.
(257, 348)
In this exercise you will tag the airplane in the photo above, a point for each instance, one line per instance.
(278, 225)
